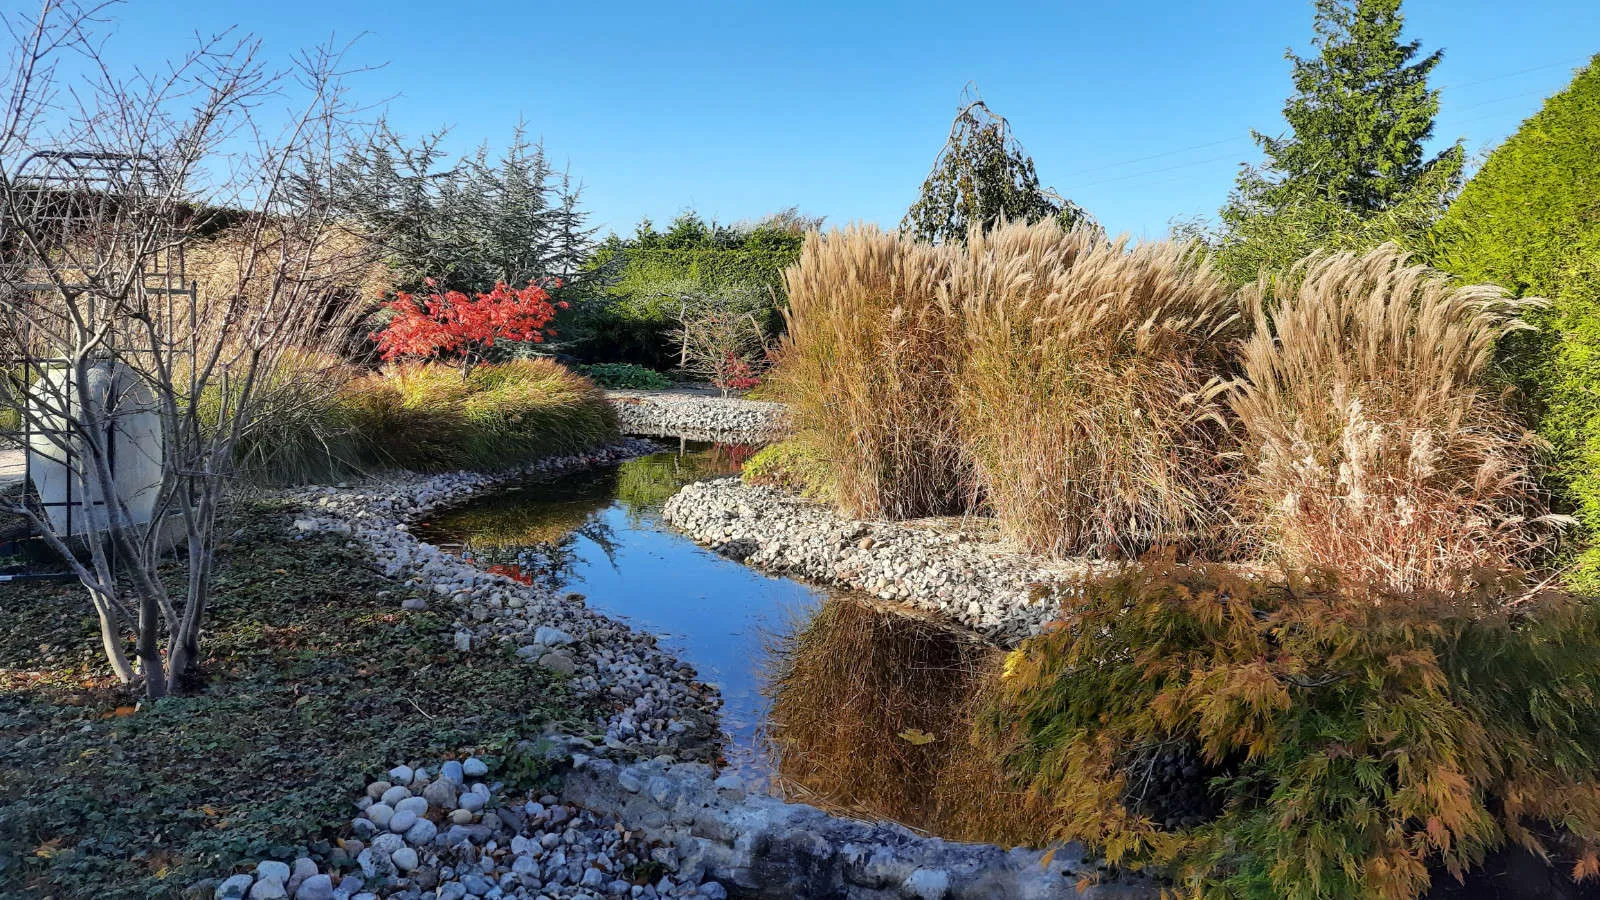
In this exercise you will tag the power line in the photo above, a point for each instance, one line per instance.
(1130, 162)
(1217, 143)
(1187, 165)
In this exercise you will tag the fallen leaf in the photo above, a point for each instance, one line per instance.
(917, 737)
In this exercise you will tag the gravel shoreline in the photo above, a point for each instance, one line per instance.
(977, 583)
(699, 417)
(662, 707)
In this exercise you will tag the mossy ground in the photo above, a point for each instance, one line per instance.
(316, 680)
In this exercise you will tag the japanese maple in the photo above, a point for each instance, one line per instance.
(455, 325)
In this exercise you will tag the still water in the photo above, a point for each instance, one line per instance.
(600, 534)
(831, 698)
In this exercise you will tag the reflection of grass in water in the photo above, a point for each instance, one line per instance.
(645, 482)
(536, 526)
(528, 515)
(871, 715)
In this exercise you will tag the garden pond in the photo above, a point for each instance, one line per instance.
(829, 698)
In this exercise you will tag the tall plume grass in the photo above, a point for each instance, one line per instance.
(866, 368)
(1090, 389)
(1374, 449)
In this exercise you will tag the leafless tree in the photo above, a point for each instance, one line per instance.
(720, 335)
(166, 247)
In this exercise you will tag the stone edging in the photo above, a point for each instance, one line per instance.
(705, 831)
(758, 846)
(976, 583)
(697, 416)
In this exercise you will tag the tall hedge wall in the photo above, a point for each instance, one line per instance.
(631, 314)
(1530, 220)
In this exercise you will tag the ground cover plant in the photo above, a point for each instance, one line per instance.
(625, 376)
(1338, 744)
(317, 682)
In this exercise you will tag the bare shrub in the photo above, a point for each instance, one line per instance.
(1374, 450)
(720, 335)
(866, 369)
(1089, 389)
(139, 172)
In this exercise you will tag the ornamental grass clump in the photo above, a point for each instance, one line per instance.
(1089, 388)
(303, 431)
(1374, 448)
(866, 368)
(1346, 749)
(428, 417)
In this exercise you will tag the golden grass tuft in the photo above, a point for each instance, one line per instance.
(1373, 449)
(866, 370)
(1089, 389)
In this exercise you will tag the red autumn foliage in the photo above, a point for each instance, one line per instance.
(736, 373)
(453, 324)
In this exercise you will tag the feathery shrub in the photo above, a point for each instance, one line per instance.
(1088, 387)
(1373, 448)
(866, 366)
(1354, 749)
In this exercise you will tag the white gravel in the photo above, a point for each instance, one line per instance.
(699, 416)
(658, 704)
(975, 582)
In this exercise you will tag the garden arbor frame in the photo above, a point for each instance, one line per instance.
(59, 240)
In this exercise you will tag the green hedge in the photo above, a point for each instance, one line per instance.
(1530, 220)
(628, 308)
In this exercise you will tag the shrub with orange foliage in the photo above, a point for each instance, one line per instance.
(1347, 749)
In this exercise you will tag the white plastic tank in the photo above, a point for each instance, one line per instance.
(118, 400)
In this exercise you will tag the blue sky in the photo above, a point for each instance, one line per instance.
(1139, 111)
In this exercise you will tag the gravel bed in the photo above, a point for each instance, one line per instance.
(665, 827)
(696, 416)
(975, 582)
(453, 832)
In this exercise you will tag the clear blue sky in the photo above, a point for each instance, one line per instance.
(1139, 111)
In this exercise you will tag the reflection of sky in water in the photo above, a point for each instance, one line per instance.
(711, 612)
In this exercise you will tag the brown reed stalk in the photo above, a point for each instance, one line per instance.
(1089, 391)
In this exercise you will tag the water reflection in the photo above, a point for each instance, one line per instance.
(840, 701)
(601, 534)
(871, 714)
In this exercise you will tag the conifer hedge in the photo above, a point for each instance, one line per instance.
(1530, 220)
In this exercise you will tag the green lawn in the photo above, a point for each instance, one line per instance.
(317, 680)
